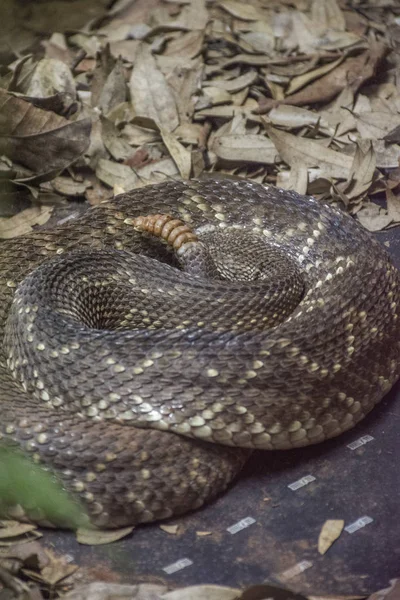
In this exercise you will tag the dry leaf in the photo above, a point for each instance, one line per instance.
(180, 155)
(150, 93)
(23, 222)
(237, 84)
(393, 206)
(203, 592)
(95, 537)
(10, 529)
(245, 148)
(296, 179)
(117, 146)
(297, 151)
(352, 72)
(50, 76)
(54, 571)
(172, 529)
(101, 590)
(188, 45)
(240, 10)
(114, 174)
(373, 217)
(302, 80)
(376, 125)
(294, 116)
(40, 140)
(328, 14)
(69, 187)
(361, 175)
(331, 530)
(393, 136)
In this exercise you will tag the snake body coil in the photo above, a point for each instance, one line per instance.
(121, 359)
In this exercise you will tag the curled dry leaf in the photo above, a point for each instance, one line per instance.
(247, 12)
(302, 80)
(117, 146)
(294, 116)
(56, 570)
(23, 222)
(297, 151)
(296, 179)
(331, 530)
(373, 217)
(188, 45)
(171, 529)
(393, 205)
(180, 155)
(11, 529)
(328, 14)
(69, 187)
(352, 72)
(203, 592)
(50, 76)
(245, 148)
(114, 174)
(376, 125)
(95, 537)
(40, 140)
(237, 84)
(150, 93)
(111, 591)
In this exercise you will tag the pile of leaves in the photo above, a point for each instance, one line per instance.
(116, 95)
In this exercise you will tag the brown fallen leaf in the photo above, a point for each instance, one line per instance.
(113, 174)
(117, 146)
(393, 136)
(40, 140)
(23, 222)
(203, 592)
(49, 76)
(188, 45)
(150, 93)
(96, 537)
(296, 179)
(361, 176)
(10, 529)
(331, 530)
(297, 151)
(69, 187)
(203, 533)
(236, 84)
(172, 529)
(373, 217)
(328, 14)
(179, 154)
(352, 72)
(237, 9)
(393, 205)
(377, 125)
(55, 571)
(302, 80)
(245, 148)
(101, 590)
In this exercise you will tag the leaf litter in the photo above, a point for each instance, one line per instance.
(121, 94)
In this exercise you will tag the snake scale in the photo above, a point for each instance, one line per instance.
(141, 372)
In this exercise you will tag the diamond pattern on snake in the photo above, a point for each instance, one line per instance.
(150, 345)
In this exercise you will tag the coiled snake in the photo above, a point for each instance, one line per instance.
(269, 321)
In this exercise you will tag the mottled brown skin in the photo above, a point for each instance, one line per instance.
(109, 359)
